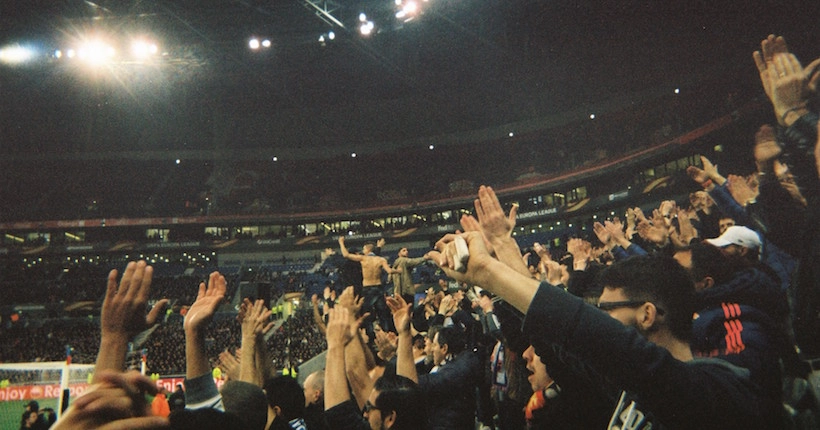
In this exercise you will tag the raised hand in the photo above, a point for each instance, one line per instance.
(338, 327)
(616, 232)
(654, 231)
(542, 251)
(603, 234)
(581, 251)
(123, 310)
(686, 232)
(257, 320)
(208, 299)
(494, 223)
(230, 365)
(740, 190)
(770, 46)
(401, 313)
(445, 254)
(554, 273)
(350, 301)
(766, 149)
(789, 85)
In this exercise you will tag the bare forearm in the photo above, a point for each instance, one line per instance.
(356, 371)
(335, 379)
(405, 365)
(111, 355)
(508, 252)
(248, 367)
(195, 356)
(516, 288)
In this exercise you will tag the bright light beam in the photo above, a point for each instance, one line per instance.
(16, 54)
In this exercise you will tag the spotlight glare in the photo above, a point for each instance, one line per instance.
(254, 43)
(15, 54)
(353, 155)
(331, 35)
(266, 43)
(592, 116)
(432, 147)
(362, 17)
(58, 54)
(71, 53)
(143, 49)
(366, 28)
(96, 52)
(677, 90)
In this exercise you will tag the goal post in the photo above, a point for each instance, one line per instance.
(44, 382)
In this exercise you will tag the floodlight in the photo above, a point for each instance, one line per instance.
(96, 52)
(331, 35)
(362, 17)
(592, 116)
(266, 43)
(411, 8)
(143, 49)
(366, 28)
(15, 54)
(254, 43)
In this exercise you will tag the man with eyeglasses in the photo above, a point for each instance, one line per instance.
(647, 355)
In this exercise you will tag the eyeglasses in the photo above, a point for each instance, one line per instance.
(369, 407)
(611, 306)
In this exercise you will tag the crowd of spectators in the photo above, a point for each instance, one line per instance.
(601, 327)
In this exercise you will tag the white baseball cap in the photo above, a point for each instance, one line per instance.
(737, 235)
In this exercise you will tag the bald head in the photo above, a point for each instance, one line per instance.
(314, 386)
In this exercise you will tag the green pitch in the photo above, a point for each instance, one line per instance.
(11, 411)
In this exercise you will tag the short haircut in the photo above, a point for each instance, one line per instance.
(709, 260)
(453, 337)
(658, 279)
(402, 395)
(285, 392)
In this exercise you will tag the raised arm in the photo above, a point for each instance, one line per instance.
(201, 313)
(338, 336)
(346, 254)
(254, 326)
(516, 288)
(123, 314)
(358, 357)
(386, 267)
(497, 228)
(405, 365)
(317, 317)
